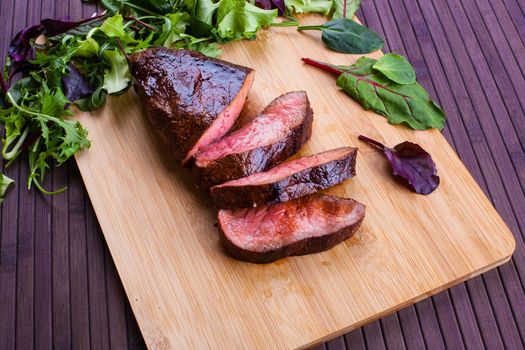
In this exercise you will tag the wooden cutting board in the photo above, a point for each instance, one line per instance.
(187, 293)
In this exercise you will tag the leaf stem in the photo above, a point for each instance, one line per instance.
(324, 66)
(291, 22)
(123, 50)
(140, 8)
(15, 151)
(50, 193)
(317, 27)
(144, 24)
(28, 111)
(372, 142)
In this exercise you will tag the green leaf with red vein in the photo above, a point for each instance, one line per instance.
(400, 104)
(345, 8)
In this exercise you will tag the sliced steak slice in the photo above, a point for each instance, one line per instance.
(277, 133)
(290, 180)
(306, 225)
(192, 100)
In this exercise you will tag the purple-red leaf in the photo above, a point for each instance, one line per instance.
(411, 163)
(272, 4)
(20, 46)
(75, 86)
(63, 24)
(20, 49)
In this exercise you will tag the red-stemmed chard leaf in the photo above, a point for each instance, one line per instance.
(20, 46)
(411, 163)
(408, 104)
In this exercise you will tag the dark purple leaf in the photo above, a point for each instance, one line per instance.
(265, 4)
(75, 85)
(411, 163)
(20, 47)
(272, 4)
(63, 24)
(280, 5)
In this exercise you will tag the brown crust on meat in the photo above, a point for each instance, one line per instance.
(184, 92)
(306, 246)
(294, 186)
(237, 165)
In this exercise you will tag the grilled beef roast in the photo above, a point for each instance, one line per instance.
(306, 225)
(192, 100)
(277, 133)
(290, 180)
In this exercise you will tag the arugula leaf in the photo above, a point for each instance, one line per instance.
(90, 103)
(203, 45)
(239, 19)
(174, 26)
(5, 182)
(347, 36)
(305, 6)
(53, 103)
(345, 8)
(396, 68)
(401, 104)
(118, 77)
(44, 115)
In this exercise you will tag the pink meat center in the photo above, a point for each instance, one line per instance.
(224, 122)
(286, 169)
(268, 228)
(273, 124)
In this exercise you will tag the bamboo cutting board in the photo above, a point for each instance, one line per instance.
(186, 293)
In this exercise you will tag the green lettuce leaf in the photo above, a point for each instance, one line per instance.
(305, 6)
(237, 19)
(118, 77)
(5, 182)
(205, 9)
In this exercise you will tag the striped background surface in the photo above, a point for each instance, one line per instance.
(58, 284)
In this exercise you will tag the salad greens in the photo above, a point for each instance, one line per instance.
(81, 62)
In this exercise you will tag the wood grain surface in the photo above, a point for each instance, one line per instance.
(185, 291)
